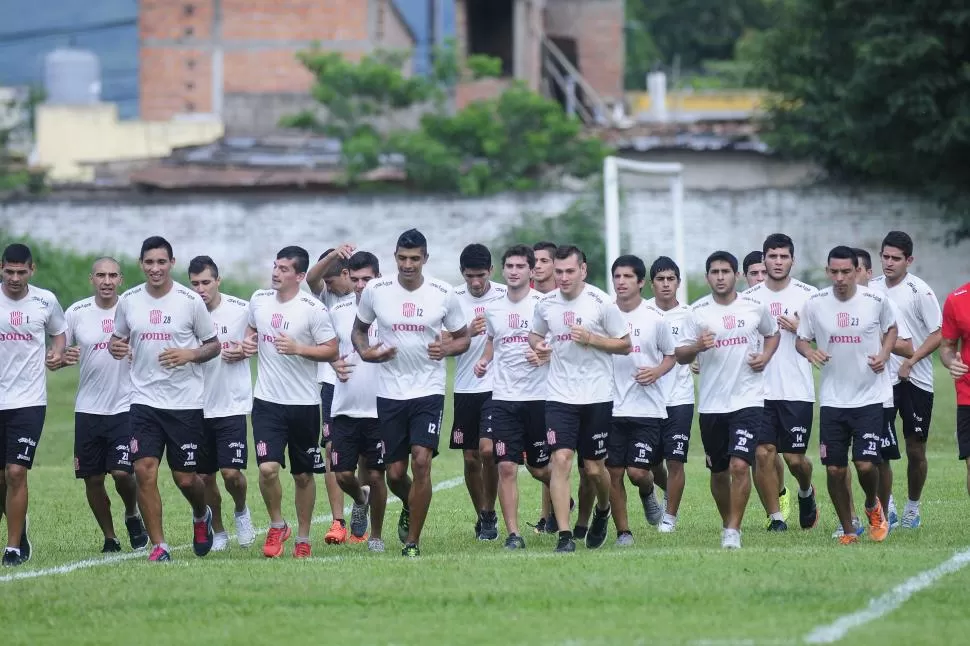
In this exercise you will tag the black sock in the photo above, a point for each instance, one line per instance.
(565, 535)
(342, 522)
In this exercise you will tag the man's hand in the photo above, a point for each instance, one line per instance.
(532, 356)
(905, 368)
(543, 352)
(175, 357)
(789, 323)
(477, 326)
(436, 351)
(958, 369)
(876, 363)
(346, 250)
(378, 354)
(234, 353)
(250, 345)
(343, 369)
(53, 360)
(119, 348)
(695, 367)
(647, 376)
(818, 358)
(579, 334)
(481, 367)
(706, 341)
(286, 345)
(72, 355)
(757, 361)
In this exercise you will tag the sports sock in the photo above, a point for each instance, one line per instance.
(804, 493)
(777, 516)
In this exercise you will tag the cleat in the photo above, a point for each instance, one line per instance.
(539, 527)
(111, 545)
(12, 559)
(159, 555)
(489, 526)
(275, 537)
(878, 525)
(137, 535)
(552, 526)
(848, 539)
(893, 515)
(857, 529)
(579, 532)
(652, 510)
(202, 536)
(26, 549)
(565, 545)
(356, 540)
(245, 532)
(731, 539)
(301, 551)
(911, 520)
(411, 551)
(777, 526)
(784, 504)
(514, 542)
(478, 527)
(598, 529)
(666, 527)
(358, 515)
(808, 511)
(337, 534)
(624, 540)
(404, 524)
(220, 542)
(375, 545)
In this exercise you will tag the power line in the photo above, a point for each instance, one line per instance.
(30, 34)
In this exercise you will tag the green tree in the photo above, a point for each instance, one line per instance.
(873, 92)
(641, 52)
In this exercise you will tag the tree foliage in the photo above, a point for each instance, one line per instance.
(873, 91)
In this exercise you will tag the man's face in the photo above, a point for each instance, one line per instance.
(476, 280)
(285, 276)
(570, 274)
(157, 266)
(106, 278)
(626, 283)
(756, 274)
(665, 284)
(778, 263)
(205, 285)
(895, 264)
(862, 275)
(339, 285)
(16, 277)
(359, 279)
(721, 278)
(843, 275)
(516, 271)
(410, 261)
(543, 270)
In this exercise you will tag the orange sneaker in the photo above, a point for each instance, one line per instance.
(275, 537)
(878, 525)
(337, 535)
(355, 540)
(301, 551)
(848, 539)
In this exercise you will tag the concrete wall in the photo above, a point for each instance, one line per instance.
(244, 233)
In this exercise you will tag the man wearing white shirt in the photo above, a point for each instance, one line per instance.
(411, 311)
(228, 400)
(473, 394)
(639, 405)
(291, 332)
(165, 331)
(102, 428)
(28, 316)
(586, 328)
(734, 337)
(854, 333)
(918, 306)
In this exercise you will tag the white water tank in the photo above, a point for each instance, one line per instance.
(72, 77)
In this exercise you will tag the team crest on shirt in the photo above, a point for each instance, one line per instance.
(550, 437)
(16, 318)
(108, 326)
(155, 317)
(276, 321)
(458, 437)
(334, 458)
(479, 310)
(133, 445)
(261, 449)
(500, 449)
(409, 310)
(569, 319)
(776, 309)
(842, 319)
(514, 320)
(729, 321)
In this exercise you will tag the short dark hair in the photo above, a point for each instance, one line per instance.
(633, 262)
(843, 252)
(475, 256)
(753, 258)
(326, 253)
(200, 263)
(724, 256)
(412, 239)
(155, 242)
(18, 254)
(864, 256)
(664, 263)
(778, 241)
(525, 251)
(567, 250)
(363, 259)
(299, 256)
(336, 267)
(899, 240)
(545, 245)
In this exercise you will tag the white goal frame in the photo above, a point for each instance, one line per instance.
(611, 205)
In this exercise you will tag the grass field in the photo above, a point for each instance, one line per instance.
(681, 588)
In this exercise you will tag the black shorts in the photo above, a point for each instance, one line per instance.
(409, 422)
(225, 444)
(470, 420)
(915, 407)
(584, 428)
(20, 430)
(281, 429)
(787, 425)
(519, 432)
(352, 437)
(862, 426)
(326, 406)
(675, 432)
(157, 431)
(889, 445)
(634, 442)
(727, 435)
(963, 432)
(102, 444)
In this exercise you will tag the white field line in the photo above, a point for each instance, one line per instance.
(67, 568)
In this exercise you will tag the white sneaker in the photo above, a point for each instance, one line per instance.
(666, 527)
(624, 540)
(245, 533)
(220, 542)
(731, 539)
(375, 545)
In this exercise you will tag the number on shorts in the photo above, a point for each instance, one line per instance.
(124, 456)
(190, 456)
(742, 441)
(238, 453)
(872, 446)
(432, 429)
(680, 446)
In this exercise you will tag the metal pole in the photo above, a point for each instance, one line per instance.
(611, 208)
(680, 246)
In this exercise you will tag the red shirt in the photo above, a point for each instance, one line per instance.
(956, 327)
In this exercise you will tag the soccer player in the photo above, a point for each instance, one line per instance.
(164, 329)
(920, 310)
(854, 332)
(754, 268)
(473, 394)
(410, 310)
(355, 432)
(102, 432)
(639, 405)
(955, 355)
(678, 387)
(734, 337)
(789, 389)
(291, 333)
(519, 387)
(28, 316)
(543, 274)
(228, 400)
(586, 328)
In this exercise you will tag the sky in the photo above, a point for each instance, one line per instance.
(22, 54)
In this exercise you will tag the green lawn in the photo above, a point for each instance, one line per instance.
(668, 589)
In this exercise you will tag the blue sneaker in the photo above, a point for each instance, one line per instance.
(911, 519)
(202, 536)
(893, 519)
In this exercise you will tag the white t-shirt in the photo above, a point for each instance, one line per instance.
(652, 340)
(727, 383)
(104, 383)
(25, 325)
(508, 325)
(280, 378)
(228, 386)
(410, 321)
(465, 379)
(678, 384)
(849, 331)
(919, 308)
(325, 372)
(902, 333)
(579, 374)
(179, 319)
(788, 376)
(356, 397)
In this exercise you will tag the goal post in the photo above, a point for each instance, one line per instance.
(611, 205)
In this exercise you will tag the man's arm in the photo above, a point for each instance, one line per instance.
(208, 351)
(314, 277)
(360, 336)
(321, 352)
(609, 345)
(949, 352)
(456, 342)
(927, 347)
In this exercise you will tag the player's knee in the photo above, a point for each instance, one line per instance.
(487, 454)
(765, 454)
(640, 477)
(421, 464)
(233, 478)
(616, 475)
(303, 480)
(269, 471)
(344, 478)
(146, 471)
(508, 471)
(562, 460)
(472, 459)
(836, 472)
(122, 477)
(95, 482)
(738, 468)
(185, 480)
(865, 468)
(916, 450)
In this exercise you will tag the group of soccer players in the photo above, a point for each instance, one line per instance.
(547, 367)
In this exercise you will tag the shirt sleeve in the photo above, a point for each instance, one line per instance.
(70, 319)
(887, 317)
(202, 321)
(688, 331)
(454, 319)
(929, 310)
(613, 322)
(539, 323)
(251, 312)
(806, 329)
(122, 330)
(767, 324)
(489, 327)
(665, 339)
(951, 328)
(55, 322)
(902, 330)
(321, 325)
(365, 309)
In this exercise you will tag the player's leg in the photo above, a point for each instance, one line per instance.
(464, 438)
(963, 438)
(337, 533)
(424, 431)
(714, 434)
(508, 435)
(306, 459)
(646, 450)
(765, 472)
(393, 418)
(91, 438)
(372, 460)
(618, 449)
(486, 452)
(744, 427)
(834, 436)
(185, 429)
(118, 464)
(347, 443)
(916, 408)
(207, 467)
(889, 451)
(147, 448)
(794, 432)
(232, 458)
(867, 431)
(562, 422)
(675, 443)
(269, 436)
(595, 420)
(586, 496)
